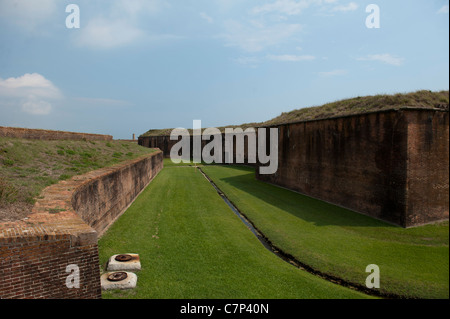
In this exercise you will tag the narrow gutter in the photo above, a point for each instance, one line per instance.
(291, 259)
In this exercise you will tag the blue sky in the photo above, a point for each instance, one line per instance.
(134, 65)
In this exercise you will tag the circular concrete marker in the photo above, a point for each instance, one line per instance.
(110, 281)
(124, 262)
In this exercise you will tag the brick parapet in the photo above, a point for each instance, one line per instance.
(38, 134)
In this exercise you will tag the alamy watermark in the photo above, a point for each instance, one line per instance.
(73, 280)
(73, 19)
(373, 19)
(373, 280)
(261, 148)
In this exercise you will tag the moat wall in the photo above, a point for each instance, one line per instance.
(63, 230)
(165, 144)
(391, 165)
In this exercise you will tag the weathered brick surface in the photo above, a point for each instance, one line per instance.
(109, 192)
(391, 165)
(428, 167)
(162, 142)
(165, 144)
(34, 252)
(36, 134)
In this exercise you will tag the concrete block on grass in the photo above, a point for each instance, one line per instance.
(128, 283)
(134, 264)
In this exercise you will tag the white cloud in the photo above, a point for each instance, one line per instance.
(227, 5)
(296, 7)
(33, 84)
(291, 58)
(385, 58)
(288, 7)
(251, 61)
(135, 8)
(444, 9)
(106, 33)
(333, 73)
(28, 14)
(32, 92)
(120, 24)
(206, 17)
(271, 24)
(36, 106)
(352, 6)
(254, 61)
(256, 36)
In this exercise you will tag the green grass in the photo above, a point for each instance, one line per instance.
(192, 246)
(168, 163)
(345, 107)
(28, 166)
(360, 105)
(413, 262)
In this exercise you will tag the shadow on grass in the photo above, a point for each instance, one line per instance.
(309, 209)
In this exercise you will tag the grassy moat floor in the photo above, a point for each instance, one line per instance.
(192, 246)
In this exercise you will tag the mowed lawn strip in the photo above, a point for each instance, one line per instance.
(192, 246)
(413, 262)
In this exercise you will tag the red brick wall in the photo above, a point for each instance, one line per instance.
(37, 269)
(35, 252)
(356, 162)
(428, 167)
(110, 192)
(162, 142)
(391, 165)
(36, 134)
(165, 144)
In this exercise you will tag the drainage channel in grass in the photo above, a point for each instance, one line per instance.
(287, 257)
(247, 223)
(193, 247)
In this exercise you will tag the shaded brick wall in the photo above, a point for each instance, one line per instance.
(165, 144)
(107, 194)
(35, 252)
(428, 167)
(36, 134)
(162, 142)
(391, 165)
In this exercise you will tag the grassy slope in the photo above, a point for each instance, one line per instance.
(28, 166)
(192, 246)
(413, 262)
(357, 105)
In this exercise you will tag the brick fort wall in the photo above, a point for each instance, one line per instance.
(391, 165)
(63, 229)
